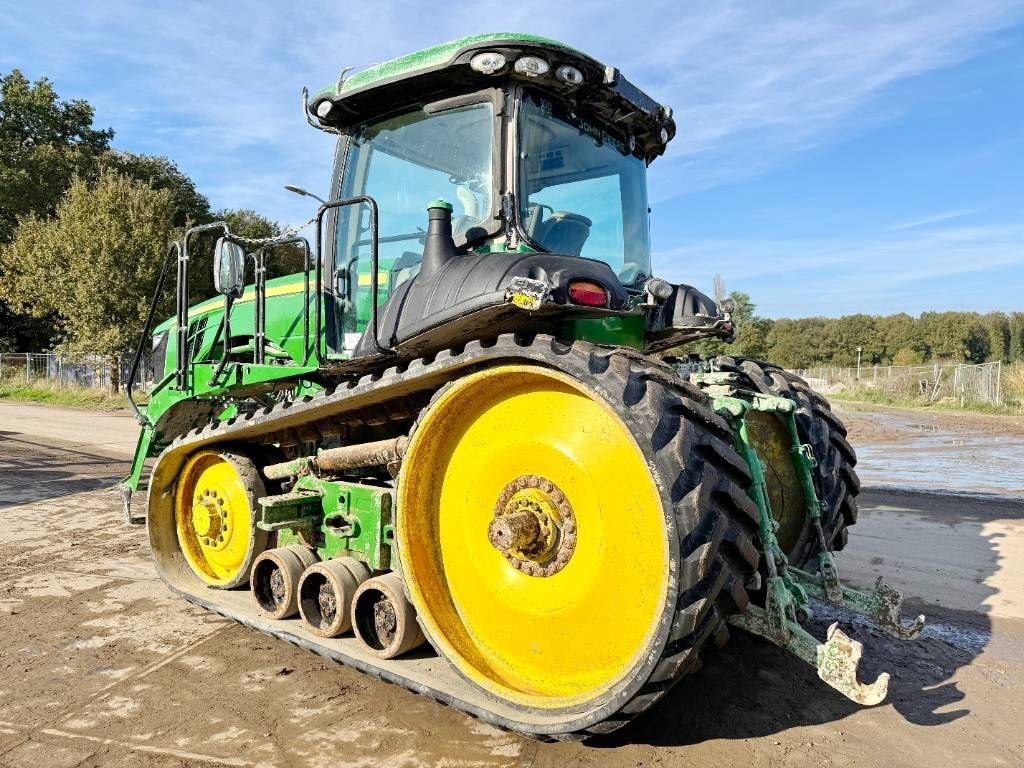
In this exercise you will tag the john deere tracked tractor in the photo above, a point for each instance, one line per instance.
(450, 453)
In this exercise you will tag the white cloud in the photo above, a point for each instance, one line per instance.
(932, 219)
(216, 86)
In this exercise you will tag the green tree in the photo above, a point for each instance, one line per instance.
(843, 335)
(901, 337)
(94, 264)
(798, 343)
(997, 331)
(44, 144)
(189, 206)
(1015, 342)
(907, 356)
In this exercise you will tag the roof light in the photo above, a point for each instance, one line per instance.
(569, 75)
(532, 66)
(323, 109)
(588, 293)
(488, 62)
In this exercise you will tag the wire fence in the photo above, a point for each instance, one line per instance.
(83, 371)
(966, 383)
(980, 383)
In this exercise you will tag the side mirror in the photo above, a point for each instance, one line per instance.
(229, 268)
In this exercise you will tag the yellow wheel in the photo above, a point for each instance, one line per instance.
(532, 537)
(214, 517)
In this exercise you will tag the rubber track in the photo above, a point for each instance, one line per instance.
(689, 446)
(835, 478)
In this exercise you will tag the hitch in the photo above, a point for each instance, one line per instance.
(883, 606)
(836, 660)
(788, 589)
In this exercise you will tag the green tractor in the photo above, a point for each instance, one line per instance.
(451, 452)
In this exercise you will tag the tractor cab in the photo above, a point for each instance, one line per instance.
(535, 154)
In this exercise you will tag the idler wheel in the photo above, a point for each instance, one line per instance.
(384, 619)
(326, 590)
(275, 579)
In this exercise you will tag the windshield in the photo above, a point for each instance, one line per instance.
(405, 162)
(583, 192)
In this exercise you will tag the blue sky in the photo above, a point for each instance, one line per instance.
(831, 157)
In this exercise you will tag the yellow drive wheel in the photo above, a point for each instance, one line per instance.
(214, 516)
(532, 537)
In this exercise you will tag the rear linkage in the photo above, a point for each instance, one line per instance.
(788, 589)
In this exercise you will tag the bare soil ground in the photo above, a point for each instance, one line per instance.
(100, 666)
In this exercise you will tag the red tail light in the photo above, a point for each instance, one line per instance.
(587, 293)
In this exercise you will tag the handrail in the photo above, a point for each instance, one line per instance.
(294, 240)
(144, 337)
(182, 298)
(374, 266)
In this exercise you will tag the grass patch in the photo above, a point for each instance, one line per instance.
(878, 397)
(76, 397)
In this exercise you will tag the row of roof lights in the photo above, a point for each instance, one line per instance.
(493, 62)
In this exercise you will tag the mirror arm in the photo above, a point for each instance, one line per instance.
(225, 327)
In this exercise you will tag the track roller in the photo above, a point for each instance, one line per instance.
(275, 579)
(326, 592)
(384, 619)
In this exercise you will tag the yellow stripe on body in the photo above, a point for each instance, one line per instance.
(382, 279)
(250, 295)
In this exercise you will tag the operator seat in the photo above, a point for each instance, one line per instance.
(564, 233)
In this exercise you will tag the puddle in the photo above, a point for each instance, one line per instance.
(929, 456)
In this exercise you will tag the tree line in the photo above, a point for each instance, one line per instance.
(900, 339)
(84, 226)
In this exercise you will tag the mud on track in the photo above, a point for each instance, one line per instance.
(100, 666)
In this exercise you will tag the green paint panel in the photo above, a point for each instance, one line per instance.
(357, 521)
(339, 519)
(619, 331)
(429, 58)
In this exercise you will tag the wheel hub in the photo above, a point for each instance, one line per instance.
(533, 526)
(209, 519)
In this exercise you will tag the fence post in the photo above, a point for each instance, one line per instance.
(999, 377)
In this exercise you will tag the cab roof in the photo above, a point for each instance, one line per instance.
(444, 70)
